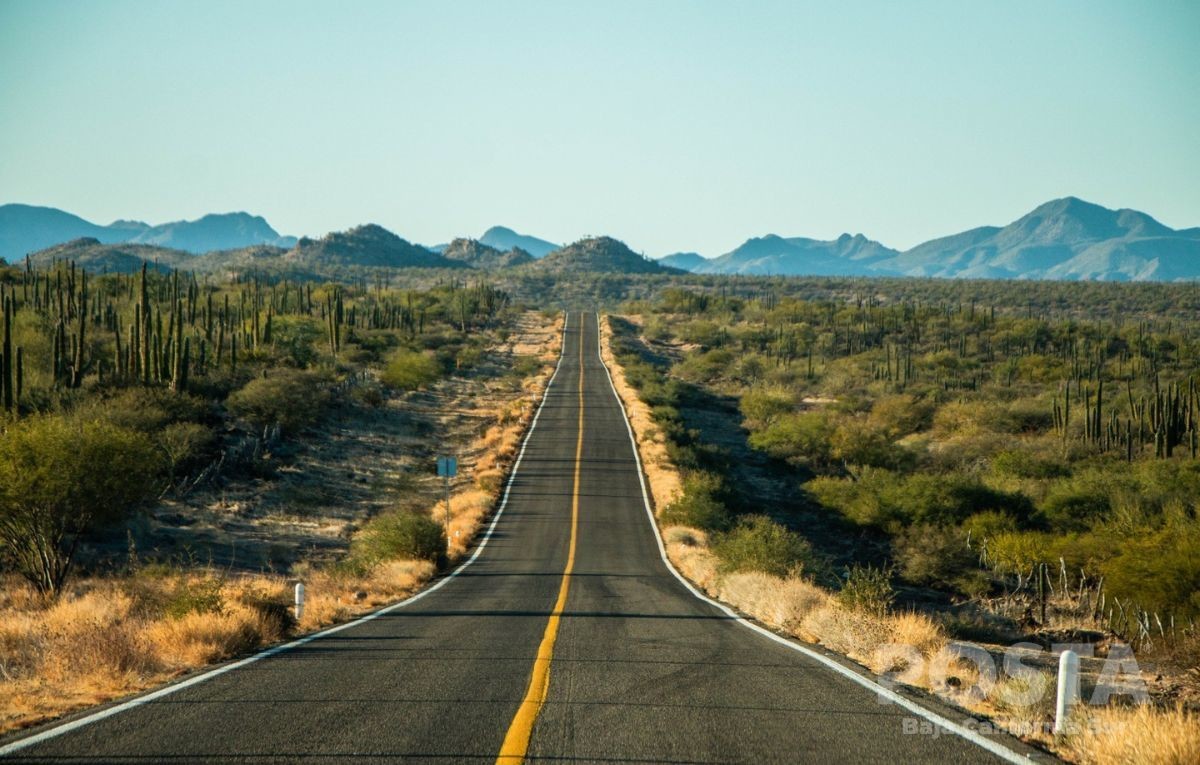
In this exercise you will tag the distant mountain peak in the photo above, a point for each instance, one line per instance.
(25, 229)
(503, 238)
(601, 254)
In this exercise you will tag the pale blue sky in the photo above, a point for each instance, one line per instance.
(671, 125)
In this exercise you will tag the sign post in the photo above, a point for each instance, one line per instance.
(447, 468)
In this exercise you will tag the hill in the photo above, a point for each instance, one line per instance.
(1065, 238)
(93, 255)
(26, 229)
(224, 231)
(601, 255)
(369, 246)
(775, 255)
(504, 239)
(476, 254)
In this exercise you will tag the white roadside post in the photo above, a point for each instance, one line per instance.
(1068, 689)
(299, 601)
(447, 468)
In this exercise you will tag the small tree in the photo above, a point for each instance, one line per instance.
(410, 370)
(59, 480)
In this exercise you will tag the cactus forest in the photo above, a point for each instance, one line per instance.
(1029, 467)
(117, 388)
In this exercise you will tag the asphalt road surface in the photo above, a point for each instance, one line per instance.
(566, 639)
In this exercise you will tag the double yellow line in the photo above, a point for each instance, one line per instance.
(520, 730)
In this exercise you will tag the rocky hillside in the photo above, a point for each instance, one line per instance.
(601, 254)
(476, 254)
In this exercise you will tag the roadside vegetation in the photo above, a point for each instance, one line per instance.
(906, 469)
(119, 392)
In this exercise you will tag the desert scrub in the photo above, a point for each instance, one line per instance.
(700, 505)
(292, 398)
(398, 534)
(867, 589)
(59, 479)
(410, 370)
(758, 543)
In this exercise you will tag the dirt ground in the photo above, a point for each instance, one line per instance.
(323, 484)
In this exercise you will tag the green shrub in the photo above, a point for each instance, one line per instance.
(399, 534)
(184, 445)
(195, 596)
(369, 394)
(889, 501)
(467, 357)
(758, 543)
(700, 505)
(146, 409)
(1021, 463)
(867, 588)
(857, 442)
(290, 397)
(410, 370)
(761, 406)
(937, 555)
(801, 438)
(902, 414)
(61, 478)
(296, 338)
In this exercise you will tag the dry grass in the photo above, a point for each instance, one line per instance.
(689, 554)
(1143, 734)
(662, 478)
(108, 637)
(780, 603)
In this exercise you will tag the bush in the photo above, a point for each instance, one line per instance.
(857, 442)
(399, 534)
(296, 338)
(758, 543)
(292, 398)
(146, 409)
(883, 499)
(61, 478)
(867, 589)
(700, 505)
(900, 415)
(802, 438)
(1021, 463)
(184, 445)
(410, 370)
(195, 596)
(938, 556)
(761, 406)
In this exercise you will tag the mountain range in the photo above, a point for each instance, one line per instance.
(1065, 238)
(25, 229)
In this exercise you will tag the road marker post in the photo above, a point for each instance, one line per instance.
(447, 468)
(1068, 689)
(299, 601)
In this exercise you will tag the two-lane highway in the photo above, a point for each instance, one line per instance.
(567, 637)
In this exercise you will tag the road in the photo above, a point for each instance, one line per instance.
(566, 638)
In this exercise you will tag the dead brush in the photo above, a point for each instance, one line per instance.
(1142, 734)
(779, 602)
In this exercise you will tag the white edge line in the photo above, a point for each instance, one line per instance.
(992, 746)
(59, 730)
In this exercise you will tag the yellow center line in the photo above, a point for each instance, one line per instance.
(520, 730)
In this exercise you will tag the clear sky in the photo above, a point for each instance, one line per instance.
(671, 125)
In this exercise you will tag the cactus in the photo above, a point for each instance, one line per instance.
(7, 384)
